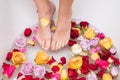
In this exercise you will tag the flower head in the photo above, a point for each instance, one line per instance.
(27, 68)
(8, 70)
(106, 43)
(41, 58)
(39, 71)
(18, 58)
(75, 62)
(20, 42)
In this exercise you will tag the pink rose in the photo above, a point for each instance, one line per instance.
(39, 71)
(20, 42)
(8, 70)
(27, 68)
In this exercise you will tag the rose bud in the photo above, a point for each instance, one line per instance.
(84, 24)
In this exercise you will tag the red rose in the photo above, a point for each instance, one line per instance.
(73, 24)
(9, 56)
(72, 73)
(93, 67)
(55, 68)
(63, 60)
(52, 60)
(71, 43)
(27, 32)
(84, 24)
(74, 34)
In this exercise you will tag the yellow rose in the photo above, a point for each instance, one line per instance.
(64, 75)
(75, 62)
(18, 58)
(41, 58)
(106, 43)
(106, 76)
(89, 33)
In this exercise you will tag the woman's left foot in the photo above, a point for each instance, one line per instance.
(62, 33)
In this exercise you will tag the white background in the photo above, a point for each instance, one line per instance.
(15, 15)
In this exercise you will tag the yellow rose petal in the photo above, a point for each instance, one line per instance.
(95, 56)
(64, 75)
(106, 76)
(31, 42)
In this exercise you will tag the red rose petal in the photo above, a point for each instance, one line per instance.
(72, 73)
(73, 24)
(116, 60)
(27, 32)
(48, 74)
(71, 43)
(15, 50)
(93, 67)
(100, 73)
(55, 68)
(63, 60)
(52, 60)
(5, 66)
(9, 56)
(19, 75)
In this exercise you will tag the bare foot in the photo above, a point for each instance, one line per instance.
(44, 33)
(62, 33)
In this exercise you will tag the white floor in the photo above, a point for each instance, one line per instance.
(15, 15)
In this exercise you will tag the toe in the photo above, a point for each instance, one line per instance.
(57, 45)
(63, 44)
(42, 44)
(53, 45)
(47, 44)
(60, 45)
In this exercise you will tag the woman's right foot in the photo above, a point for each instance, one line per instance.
(44, 33)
